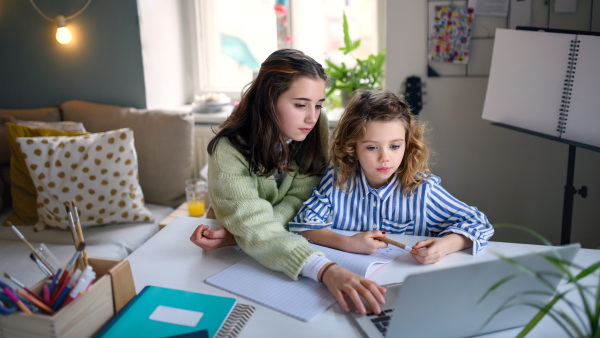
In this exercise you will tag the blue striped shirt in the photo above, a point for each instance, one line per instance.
(429, 211)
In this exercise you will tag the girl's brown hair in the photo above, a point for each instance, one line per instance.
(253, 126)
(378, 106)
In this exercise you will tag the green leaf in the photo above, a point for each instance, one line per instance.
(588, 271)
(536, 319)
(571, 323)
(532, 273)
(560, 264)
(347, 41)
(535, 234)
(495, 286)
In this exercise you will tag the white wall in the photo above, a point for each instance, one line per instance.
(165, 53)
(512, 177)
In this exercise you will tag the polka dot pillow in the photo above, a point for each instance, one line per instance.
(98, 171)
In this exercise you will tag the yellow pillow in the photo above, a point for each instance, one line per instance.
(22, 188)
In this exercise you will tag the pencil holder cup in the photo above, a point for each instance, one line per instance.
(196, 192)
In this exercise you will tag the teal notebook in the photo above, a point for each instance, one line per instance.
(162, 312)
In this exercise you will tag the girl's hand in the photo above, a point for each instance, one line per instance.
(437, 248)
(364, 243)
(212, 239)
(342, 282)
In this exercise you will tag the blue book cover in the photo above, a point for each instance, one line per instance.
(162, 312)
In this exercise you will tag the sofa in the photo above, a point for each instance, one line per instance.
(164, 143)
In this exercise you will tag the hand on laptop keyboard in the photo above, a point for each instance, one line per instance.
(342, 282)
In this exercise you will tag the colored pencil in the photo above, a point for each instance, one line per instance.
(38, 303)
(22, 286)
(16, 300)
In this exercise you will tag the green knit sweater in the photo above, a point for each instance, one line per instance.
(257, 212)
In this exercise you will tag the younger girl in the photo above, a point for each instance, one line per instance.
(379, 182)
(264, 162)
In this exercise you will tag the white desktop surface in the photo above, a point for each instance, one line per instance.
(171, 260)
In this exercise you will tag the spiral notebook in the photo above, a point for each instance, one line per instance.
(547, 83)
(163, 312)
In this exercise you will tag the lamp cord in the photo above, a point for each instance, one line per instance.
(67, 18)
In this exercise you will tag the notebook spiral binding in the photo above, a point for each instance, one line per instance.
(568, 87)
(235, 322)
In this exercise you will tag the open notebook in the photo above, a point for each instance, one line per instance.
(304, 299)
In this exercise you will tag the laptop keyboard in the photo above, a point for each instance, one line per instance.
(382, 320)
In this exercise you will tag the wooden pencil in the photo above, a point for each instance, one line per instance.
(391, 241)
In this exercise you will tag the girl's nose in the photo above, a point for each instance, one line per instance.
(312, 115)
(384, 157)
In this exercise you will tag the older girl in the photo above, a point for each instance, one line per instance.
(264, 162)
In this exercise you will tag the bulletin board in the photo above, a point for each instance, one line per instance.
(481, 44)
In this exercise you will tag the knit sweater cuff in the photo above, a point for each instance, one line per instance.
(297, 259)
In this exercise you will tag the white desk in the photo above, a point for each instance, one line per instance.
(170, 259)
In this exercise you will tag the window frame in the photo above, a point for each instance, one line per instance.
(201, 29)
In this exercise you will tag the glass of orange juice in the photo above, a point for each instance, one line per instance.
(196, 192)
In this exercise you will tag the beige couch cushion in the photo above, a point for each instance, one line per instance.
(163, 140)
(51, 114)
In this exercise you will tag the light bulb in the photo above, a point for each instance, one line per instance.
(62, 33)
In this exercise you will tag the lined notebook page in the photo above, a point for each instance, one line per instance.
(304, 299)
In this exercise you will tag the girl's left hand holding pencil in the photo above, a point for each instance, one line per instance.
(212, 239)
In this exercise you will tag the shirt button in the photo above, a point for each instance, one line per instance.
(374, 226)
(374, 204)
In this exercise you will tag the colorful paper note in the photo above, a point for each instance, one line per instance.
(451, 34)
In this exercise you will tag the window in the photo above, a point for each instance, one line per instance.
(233, 37)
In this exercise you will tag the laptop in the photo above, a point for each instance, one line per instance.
(445, 303)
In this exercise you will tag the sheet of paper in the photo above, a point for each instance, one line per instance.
(304, 299)
(520, 13)
(565, 6)
(171, 315)
(490, 7)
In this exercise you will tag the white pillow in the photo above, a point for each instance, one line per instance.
(98, 171)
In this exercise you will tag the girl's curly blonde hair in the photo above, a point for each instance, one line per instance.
(378, 106)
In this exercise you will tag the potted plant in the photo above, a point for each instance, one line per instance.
(366, 74)
(580, 321)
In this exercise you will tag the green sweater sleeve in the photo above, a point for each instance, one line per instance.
(258, 224)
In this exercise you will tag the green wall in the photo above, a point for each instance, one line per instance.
(102, 64)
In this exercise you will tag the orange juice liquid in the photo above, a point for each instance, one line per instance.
(196, 208)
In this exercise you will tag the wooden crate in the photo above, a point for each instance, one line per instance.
(86, 315)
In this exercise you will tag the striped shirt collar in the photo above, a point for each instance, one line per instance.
(382, 192)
